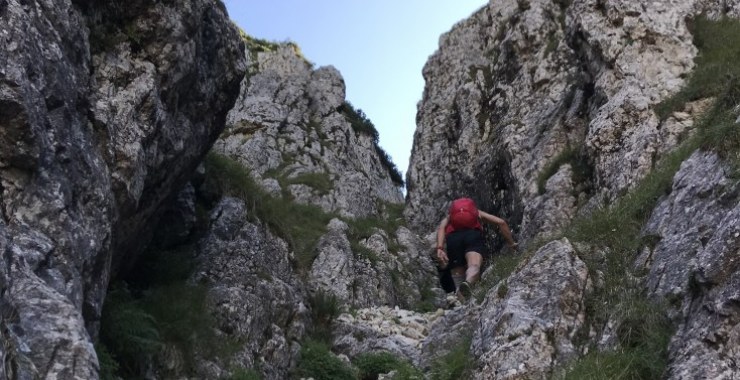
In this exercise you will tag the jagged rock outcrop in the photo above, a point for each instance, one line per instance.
(255, 295)
(105, 109)
(545, 110)
(291, 129)
(529, 322)
(521, 83)
(290, 124)
(694, 265)
(376, 275)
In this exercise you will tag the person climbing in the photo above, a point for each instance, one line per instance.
(462, 232)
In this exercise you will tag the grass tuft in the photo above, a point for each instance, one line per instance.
(318, 362)
(320, 182)
(128, 333)
(502, 266)
(642, 329)
(643, 334)
(300, 225)
(716, 63)
(370, 365)
(324, 309)
(456, 364)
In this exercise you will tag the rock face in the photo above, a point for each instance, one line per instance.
(291, 128)
(101, 118)
(520, 84)
(545, 110)
(525, 328)
(376, 275)
(694, 264)
(540, 110)
(253, 291)
(529, 322)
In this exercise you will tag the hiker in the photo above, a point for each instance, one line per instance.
(462, 231)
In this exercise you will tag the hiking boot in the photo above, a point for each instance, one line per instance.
(464, 290)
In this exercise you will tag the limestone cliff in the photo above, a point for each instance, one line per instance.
(305, 214)
(105, 110)
(294, 130)
(548, 112)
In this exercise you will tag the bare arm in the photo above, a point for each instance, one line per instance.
(502, 226)
(441, 254)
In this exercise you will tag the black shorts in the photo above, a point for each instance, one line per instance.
(461, 242)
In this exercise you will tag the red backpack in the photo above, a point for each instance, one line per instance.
(464, 215)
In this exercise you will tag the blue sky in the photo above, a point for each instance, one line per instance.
(379, 46)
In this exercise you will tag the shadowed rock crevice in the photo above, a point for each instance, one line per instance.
(91, 150)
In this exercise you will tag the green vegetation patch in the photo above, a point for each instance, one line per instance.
(502, 266)
(716, 63)
(318, 362)
(128, 334)
(321, 182)
(153, 309)
(324, 309)
(300, 225)
(258, 45)
(643, 334)
(389, 220)
(614, 232)
(456, 364)
(370, 365)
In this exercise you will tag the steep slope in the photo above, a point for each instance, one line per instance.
(105, 110)
(520, 83)
(300, 217)
(564, 118)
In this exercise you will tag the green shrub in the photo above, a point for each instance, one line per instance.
(370, 365)
(457, 364)
(389, 165)
(108, 364)
(324, 309)
(128, 332)
(244, 374)
(318, 362)
(182, 316)
(300, 225)
(643, 333)
(320, 182)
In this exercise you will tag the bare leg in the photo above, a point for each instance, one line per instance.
(458, 275)
(474, 260)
